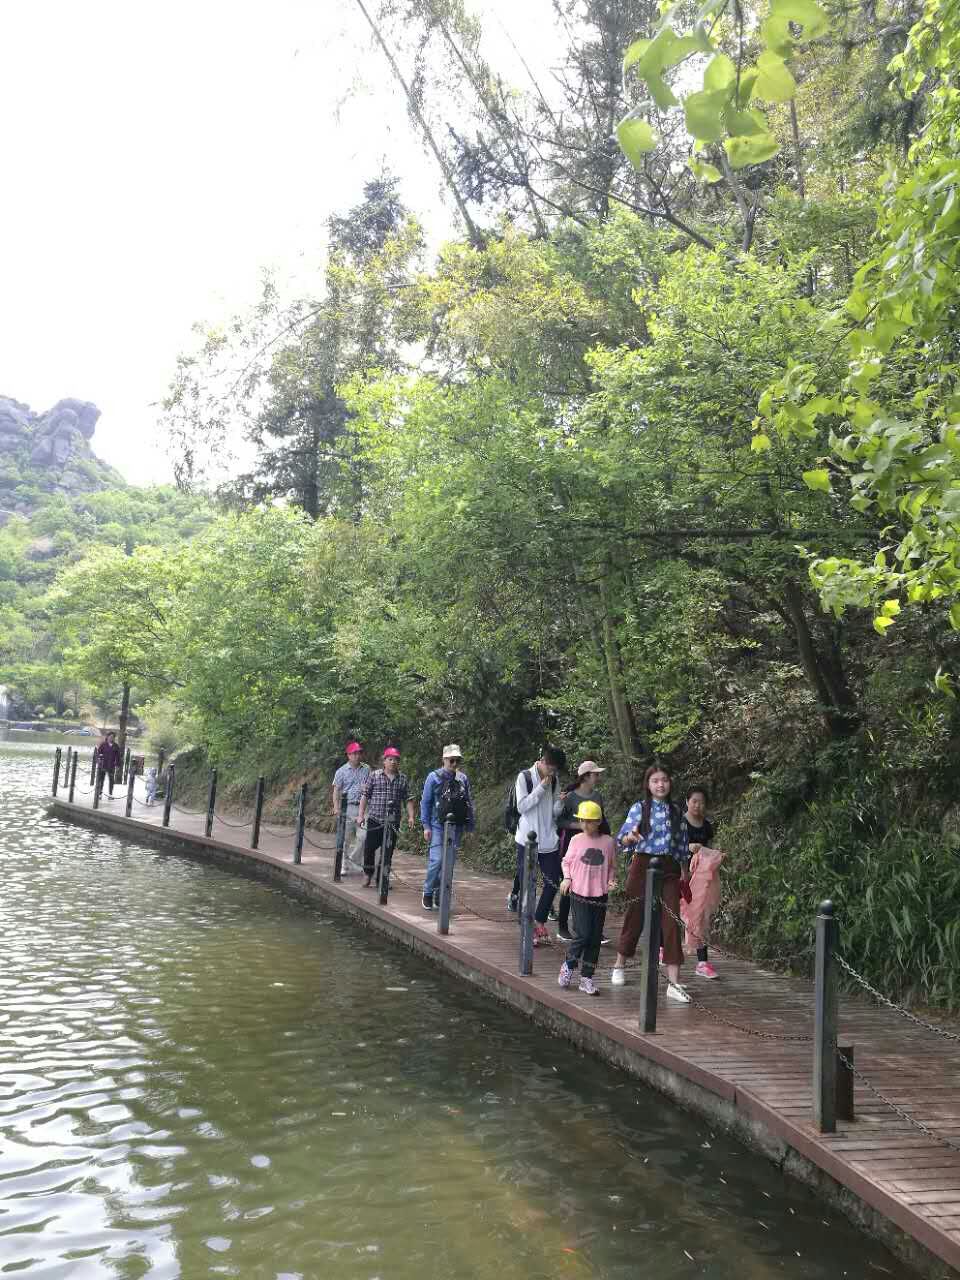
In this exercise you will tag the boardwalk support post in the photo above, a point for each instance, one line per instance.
(341, 839)
(73, 774)
(528, 893)
(124, 776)
(825, 1022)
(391, 829)
(257, 813)
(168, 794)
(131, 782)
(211, 801)
(56, 768)
(650, 963)
(443, 922)
(98, 787)
(301, 822)
(845, 1081)
(93, 768)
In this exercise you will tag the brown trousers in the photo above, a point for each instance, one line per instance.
(636, 891)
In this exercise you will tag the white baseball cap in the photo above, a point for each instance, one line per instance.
(451, 749)
(589, 766)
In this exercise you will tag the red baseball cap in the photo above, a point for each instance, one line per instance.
(393, 752)
(352, 747)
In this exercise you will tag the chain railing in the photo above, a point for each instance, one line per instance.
(942, 1032)
(895, 1107)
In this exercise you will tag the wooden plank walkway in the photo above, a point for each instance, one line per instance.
(904, 1176)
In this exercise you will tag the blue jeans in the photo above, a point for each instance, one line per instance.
(435, 857)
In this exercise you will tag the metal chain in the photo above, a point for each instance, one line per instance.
(917, 1124)
(885, 1000)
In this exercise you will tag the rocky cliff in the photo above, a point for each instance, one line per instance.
(48, 453)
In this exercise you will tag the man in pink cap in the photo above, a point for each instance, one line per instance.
(347, 785)
(382, 798)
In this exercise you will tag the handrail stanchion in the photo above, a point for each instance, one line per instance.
(98, 787)
(650, 964)
(825, 1022)
(131, 782)
(391, 829)
(257, 813)
(66, 766)
(527, 903)
(341, 839)
(93, 767)
(56, 768)
(301, 822)
(443, 921)
(125, 775)
(211, 801)
(73, 774)
(168, 794)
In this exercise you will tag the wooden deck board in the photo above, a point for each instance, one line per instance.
(897, 1170)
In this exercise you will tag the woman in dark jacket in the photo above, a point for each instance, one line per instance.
(108, 758)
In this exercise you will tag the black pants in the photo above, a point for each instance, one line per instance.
(588, 917)
(552, 875)
(563, 914)
(373, 842)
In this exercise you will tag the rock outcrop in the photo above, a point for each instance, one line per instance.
(50, 452)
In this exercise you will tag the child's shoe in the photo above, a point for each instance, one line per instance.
(541, 935)
(565, 975)
(678, 993)
(618, 976)
(589, 987)
(705, 969)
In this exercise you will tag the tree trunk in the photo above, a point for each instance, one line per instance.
(122, 722)
(824, 672)
(622, 711)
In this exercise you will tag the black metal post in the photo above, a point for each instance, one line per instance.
(168, 795)
(125, 775)
(825, 1022)
(341, 839)
(66, 767)
(528, 891)
(131, 783)
(56, 768)
(845, 1082)
(93, 767)
(301, 822)
(98, 787)
(391, 829)
(446, 876)
(650, 941)
(257, 812)
(211, 801)
(73, 774)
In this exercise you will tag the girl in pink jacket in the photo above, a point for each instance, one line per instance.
(588, 876)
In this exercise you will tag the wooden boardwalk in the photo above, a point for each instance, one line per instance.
(711, 1054)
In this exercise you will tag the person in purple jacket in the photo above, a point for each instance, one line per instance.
(108, 758)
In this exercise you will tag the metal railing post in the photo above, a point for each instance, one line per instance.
(391, 829)
(56, 768)
(443, 922)
(211, 801)
(98, 787)
(73, 774)
(125, 775)
(301, 822)
(825, 1022)
(66, 767)
(257, 813)
(168, 795)
(341, 839)
(93, 767)
(650, 941)
(528, 891)
(131, 781)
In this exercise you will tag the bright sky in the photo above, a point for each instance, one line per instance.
(155, 158)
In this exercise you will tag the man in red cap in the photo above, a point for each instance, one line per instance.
(382, 797)
(347, 785)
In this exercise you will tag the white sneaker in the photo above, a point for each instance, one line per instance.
(618, 977)
(676, 992)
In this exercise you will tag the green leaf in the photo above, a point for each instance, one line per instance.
(747, 81)
(818, 480)
(890, 608)
(776, 35)
(744, 123)
(751, 150)
(721, 72)
(704, 114)
(634, 53)
(636, 138)
(955, 617)
(774, 83)
(880, 624)
(805, 13)
(704, 171)
(760, 443)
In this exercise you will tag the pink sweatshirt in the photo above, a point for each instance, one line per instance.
(589, 864)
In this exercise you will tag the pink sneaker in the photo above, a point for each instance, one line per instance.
(705, 969)
(541, 935)
(564, 976)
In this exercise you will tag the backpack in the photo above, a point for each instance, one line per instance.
(511, 814)
(450, 798)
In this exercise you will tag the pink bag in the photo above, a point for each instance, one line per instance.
(705, 895)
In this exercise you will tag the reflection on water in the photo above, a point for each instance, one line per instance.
(200, 1077)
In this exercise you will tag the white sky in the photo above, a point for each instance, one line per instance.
(156, 157)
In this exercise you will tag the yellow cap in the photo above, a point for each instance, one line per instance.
(590, 810)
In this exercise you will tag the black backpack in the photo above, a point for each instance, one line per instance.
(511, 814)
(450, 800)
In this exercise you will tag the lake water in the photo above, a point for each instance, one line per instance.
(202, 1077)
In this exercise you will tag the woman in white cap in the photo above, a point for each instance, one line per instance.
(446, 793)
(585, 788)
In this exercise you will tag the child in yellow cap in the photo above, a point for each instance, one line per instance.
(588, 876)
